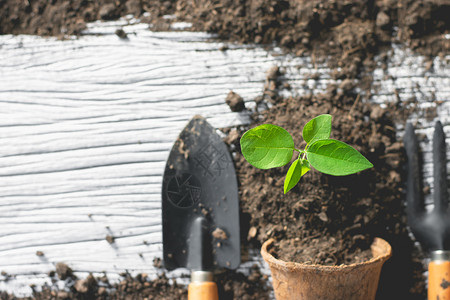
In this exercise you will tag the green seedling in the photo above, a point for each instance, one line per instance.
(269, 146)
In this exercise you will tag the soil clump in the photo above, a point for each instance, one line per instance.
(235, 102)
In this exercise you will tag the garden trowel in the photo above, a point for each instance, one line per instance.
(431, 228)
(200, 208)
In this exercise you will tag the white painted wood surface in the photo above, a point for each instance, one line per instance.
(87, 124)
(85, 128)
(408, 76)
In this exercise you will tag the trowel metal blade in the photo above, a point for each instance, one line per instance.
(200, 205)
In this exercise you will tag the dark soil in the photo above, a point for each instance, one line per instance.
(320, 250)
(329, 220)
(355, 29)
(231, 285)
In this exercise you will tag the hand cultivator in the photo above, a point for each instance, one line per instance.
(432, 229)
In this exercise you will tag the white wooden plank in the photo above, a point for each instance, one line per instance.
(87, 124)
(407, 75)
(85, 128)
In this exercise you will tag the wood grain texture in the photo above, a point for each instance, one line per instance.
(87, 124)
(410, 78)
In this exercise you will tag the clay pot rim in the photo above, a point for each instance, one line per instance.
(283, 265)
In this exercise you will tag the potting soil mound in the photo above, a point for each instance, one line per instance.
(333, 220)
(328, 220)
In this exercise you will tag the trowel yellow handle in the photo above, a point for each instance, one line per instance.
(203, 291)
(202, 286)
(439, 280)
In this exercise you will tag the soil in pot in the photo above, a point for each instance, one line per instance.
(357, 281)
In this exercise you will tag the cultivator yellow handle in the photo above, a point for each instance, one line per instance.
(439, 280)
(202, 287)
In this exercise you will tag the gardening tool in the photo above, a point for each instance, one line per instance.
(432, 229)
(200, 208)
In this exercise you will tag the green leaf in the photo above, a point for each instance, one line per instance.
(267, 146)
(298, 168)
(318, 128)
(336, 158)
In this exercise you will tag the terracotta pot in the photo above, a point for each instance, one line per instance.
(315, 282)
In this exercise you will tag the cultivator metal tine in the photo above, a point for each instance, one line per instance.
(414, 198)
(440, 169)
